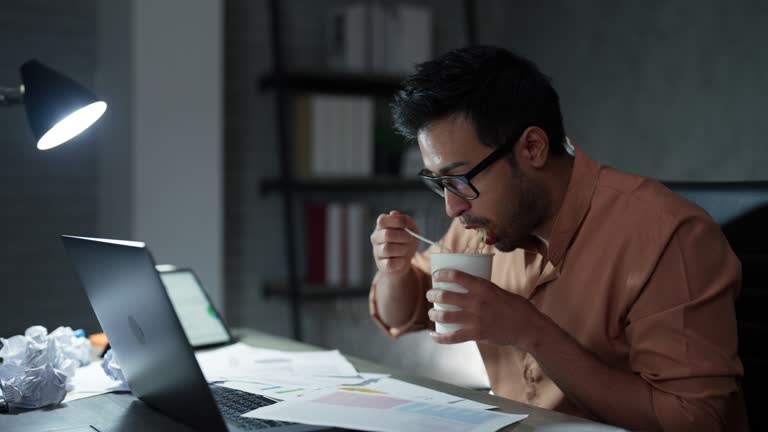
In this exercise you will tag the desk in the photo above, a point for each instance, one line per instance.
(123, 412)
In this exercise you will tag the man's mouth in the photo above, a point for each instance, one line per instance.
(490, 238)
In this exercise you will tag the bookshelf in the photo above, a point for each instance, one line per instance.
(286, 84)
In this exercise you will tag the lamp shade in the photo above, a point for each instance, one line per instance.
(58, 108)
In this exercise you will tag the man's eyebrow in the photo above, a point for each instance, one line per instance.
(451, 166)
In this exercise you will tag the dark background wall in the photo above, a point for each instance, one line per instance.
(45, 194)
(668, 89)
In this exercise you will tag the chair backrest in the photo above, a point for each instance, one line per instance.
(741, 209)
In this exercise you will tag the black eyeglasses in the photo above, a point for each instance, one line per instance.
(460, 184)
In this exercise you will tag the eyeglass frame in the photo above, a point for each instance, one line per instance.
(465, 178)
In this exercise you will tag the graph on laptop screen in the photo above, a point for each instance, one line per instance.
(201, 323)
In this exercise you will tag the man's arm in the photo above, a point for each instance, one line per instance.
(397, 290)
(397, 297)
(681, 330)
(617, 397)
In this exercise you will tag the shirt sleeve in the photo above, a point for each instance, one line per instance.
(420, 264)
(682, 329)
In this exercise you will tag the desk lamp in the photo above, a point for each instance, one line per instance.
(58, 108)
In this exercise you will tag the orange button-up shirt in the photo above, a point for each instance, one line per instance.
(639, 276)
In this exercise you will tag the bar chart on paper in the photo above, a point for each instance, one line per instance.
(362, 411)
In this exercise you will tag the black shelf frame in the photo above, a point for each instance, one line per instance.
(330, 82)
(317, 291)
(342, 184)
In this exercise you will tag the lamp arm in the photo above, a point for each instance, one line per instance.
(11, 95)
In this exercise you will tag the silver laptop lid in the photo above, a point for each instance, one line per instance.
(134, 310)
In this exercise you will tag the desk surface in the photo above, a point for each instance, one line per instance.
(122, 412)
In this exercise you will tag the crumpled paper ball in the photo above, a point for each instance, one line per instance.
(111, 367)
(37, 367)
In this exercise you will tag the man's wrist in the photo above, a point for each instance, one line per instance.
(541, 332)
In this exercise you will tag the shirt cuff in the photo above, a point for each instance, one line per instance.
(418, 320)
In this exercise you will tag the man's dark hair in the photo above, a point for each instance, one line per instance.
(500, 92)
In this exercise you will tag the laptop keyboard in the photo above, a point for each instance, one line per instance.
(234, 403)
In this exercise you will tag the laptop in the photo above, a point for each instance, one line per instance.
(130, 301)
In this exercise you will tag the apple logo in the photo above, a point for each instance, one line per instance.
(136, 330)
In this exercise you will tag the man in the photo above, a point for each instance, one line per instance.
(611, 297)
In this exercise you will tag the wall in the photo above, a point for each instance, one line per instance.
(45, 194)
(177, 134)
(151, 169)
(163, 166)
(669, 89)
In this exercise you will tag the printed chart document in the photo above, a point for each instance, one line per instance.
(285, 388)
(382, 413)
(242, 361)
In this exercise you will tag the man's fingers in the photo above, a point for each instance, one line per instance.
(446, 316)
(390, 236)
(466, 280)
(391, 221)
(391, 250)
(395, 219)
(436, 295)
(388, 265)
(463, 334)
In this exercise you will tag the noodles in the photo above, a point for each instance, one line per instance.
(477, 244)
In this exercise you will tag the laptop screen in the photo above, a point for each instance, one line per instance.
(198, 317)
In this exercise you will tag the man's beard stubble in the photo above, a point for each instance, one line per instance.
(522, 216)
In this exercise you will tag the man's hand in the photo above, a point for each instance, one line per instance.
(489, 314)
(393, 248)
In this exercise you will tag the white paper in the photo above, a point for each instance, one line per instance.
(382, 413)
(395, 387)
(240, 361)
(287, 388)
(90, 381)
(284, 387)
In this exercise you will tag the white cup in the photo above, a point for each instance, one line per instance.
(475, 264)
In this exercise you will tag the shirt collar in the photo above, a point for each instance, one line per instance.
(578, 198)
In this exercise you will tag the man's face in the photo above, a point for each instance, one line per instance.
(510, 205)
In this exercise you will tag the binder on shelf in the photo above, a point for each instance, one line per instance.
(411, 38)
(334, 245)
(346, 38)
(356, 245)
(341, 136)
(314, 242)
(380, 38)
(301, 137)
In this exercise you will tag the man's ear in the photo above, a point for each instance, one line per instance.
(534, 147)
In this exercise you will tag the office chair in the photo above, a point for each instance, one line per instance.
(741, 209)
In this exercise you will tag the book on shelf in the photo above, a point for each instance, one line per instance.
(377, 37)
(336, 244)
(314, 242)
(333, 136)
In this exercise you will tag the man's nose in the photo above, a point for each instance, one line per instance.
(455, 205)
